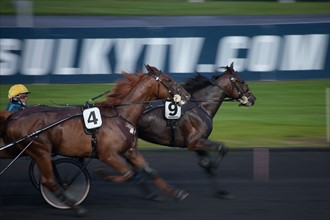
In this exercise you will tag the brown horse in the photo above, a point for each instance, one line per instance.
(194, 126)
(115, 141)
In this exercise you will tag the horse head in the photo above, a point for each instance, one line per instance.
(236, 88)
(166, 85)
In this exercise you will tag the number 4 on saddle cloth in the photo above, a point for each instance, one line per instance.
(93, 121)
(92, 118)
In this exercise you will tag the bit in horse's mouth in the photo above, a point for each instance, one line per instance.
(177, 98)
(181, 103)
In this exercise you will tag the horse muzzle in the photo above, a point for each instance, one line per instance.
(247, 101)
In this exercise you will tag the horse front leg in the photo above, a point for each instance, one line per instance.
(209, 168)
(137, 159)
(120, 164)
(203, 145)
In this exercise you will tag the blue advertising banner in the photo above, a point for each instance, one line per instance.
(100, 55)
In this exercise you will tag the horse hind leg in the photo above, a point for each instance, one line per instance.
(5, 154)
(47, 179)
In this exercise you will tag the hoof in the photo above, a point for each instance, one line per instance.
(181, 195)
(224, 195)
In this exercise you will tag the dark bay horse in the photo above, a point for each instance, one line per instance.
(116, 139)
(194, 126)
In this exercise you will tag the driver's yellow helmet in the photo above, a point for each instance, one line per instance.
(17, 89)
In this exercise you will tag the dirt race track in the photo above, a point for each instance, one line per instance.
(298, 187)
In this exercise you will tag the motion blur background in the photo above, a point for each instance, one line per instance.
(67, 52)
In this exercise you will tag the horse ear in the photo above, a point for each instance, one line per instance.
(149, 68)
(232, 65)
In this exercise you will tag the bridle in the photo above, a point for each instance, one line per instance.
(175, 95)
(243, 96)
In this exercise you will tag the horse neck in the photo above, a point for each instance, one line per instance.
(136, 100)
(213, 97)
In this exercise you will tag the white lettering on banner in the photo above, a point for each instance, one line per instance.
(264, 53)
(37, 57)
(228, 52)
(156, 51)
(94, 56)
(65, 57)
(304, 52)
(184, 54)
(9, 61)
(127, 52)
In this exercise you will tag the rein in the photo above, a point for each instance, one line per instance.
(35, 133)
(227, 99)
(214, 83)
(214, 100)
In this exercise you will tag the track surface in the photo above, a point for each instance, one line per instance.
(298, 188)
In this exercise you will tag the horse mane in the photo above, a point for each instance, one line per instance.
(196, 83)
(123, 87)
(199, 82)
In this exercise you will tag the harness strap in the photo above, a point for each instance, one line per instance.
(173, 125)
(93, 131)
(94, 144)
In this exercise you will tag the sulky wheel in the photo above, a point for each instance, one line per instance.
(74, 180)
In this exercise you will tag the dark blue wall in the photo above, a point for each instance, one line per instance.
(99, 55)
